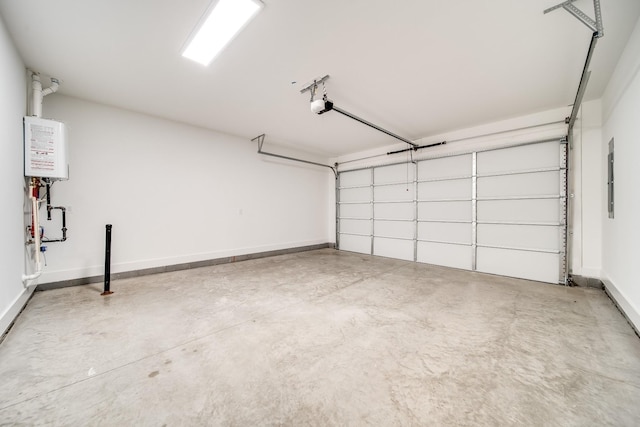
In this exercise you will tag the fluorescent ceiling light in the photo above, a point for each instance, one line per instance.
(219, 27)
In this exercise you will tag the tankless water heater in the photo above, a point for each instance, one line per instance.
(45, 149)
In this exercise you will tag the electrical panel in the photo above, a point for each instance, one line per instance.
(45, 149)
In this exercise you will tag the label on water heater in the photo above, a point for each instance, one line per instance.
(45, 148)
(42, 147)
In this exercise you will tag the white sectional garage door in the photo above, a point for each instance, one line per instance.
(499, 211)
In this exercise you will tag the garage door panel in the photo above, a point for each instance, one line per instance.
(360, 244)
(526, 157)
(393, 248)
(444, 211)
(400, 229)
(356, 211)
(355, 226)
(394, 174)
(446, 167)
(543, 267)
(394, 210)
(355, 194)
(456, 256)
(445, 232)
(392, 193)
(519, 236)
(438, 190)
(355, 178)
(515, 226)
(532, 211)
(530, 184)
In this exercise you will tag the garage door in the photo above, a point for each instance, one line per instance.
(500, 211)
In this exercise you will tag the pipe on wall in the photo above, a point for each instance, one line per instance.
(33, 195)
(39, 93)
(34, 183)
(64, 223)
(36, 104)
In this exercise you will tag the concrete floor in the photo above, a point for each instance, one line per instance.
(321, 338)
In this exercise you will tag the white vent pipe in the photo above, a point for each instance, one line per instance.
(39, 93)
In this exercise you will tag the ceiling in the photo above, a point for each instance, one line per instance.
(415, 67)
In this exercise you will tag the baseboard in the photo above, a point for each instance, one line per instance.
(630, 312)
(50, 275)
(181, 266)
(10, 314)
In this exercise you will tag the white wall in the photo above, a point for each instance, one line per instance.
(621, 235)
(12, 107)
(174, 194)
(586, 187)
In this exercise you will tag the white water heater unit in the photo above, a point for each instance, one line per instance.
(45, 149)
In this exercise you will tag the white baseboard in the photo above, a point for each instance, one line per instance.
(631, 312)
(14, 309)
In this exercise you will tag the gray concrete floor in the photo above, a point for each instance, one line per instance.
(321, 338)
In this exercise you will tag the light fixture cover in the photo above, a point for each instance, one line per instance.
(218, 27)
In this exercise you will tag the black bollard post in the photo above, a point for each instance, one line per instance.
(107, 263)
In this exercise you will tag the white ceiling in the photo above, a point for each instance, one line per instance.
(416, 67)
